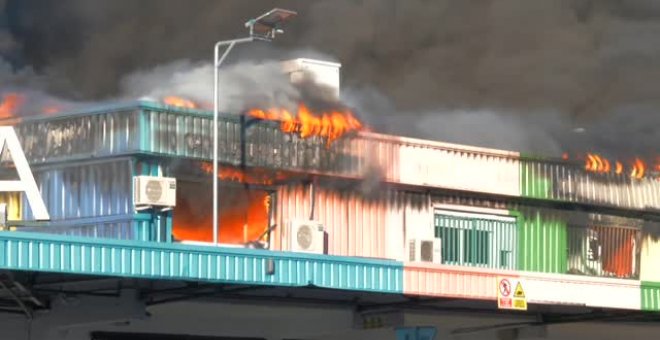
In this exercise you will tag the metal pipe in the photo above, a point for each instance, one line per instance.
(312, 199)
(216, 66)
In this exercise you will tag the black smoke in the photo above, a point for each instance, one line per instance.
(537, 76)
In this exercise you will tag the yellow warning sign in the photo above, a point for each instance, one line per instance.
(509, 297)
(519, 292)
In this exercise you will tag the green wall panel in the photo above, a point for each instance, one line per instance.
(542, 243)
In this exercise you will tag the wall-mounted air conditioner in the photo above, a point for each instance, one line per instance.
(425, 250)
(150, 191)
(307, 237)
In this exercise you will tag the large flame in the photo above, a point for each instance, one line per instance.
(242, 218)
(10, 104)
(180, 102)
(330, 125)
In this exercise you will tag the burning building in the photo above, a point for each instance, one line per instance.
(302, 180)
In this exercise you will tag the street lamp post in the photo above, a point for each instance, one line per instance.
(263, 28)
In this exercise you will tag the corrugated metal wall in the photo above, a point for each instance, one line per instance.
(130, 227)
(581, 290)
(61, 138)
(447, 281)
(650, 296)
(457, 167)
(99, 188)
(542, 241)
(355, 225)
(565, 182)
(150, 128)
(54, 253)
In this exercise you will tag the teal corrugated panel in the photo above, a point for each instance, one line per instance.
(43, 252)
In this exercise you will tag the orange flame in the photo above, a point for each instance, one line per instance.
(252, 176)
(10, 104)
(596, 163)
(331, 125)
(600, 164)
(243, 218)
(179, 102)
(638, 169)
(619, 168)
(51, 109)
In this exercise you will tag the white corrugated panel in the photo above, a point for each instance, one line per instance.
(471, 169)
(450, 281)
(581, 290)
(356, 224)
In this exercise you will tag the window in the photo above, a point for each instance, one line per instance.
(480, 240)
(607, 250)
(476, 246)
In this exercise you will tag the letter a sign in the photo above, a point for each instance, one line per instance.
(26, 181)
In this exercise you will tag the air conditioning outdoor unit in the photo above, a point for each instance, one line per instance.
(307, 237)
(425, 250)
(151, 191)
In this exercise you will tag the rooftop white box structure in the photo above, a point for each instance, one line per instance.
(320, 72)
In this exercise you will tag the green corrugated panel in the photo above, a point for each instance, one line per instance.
(77, 255)
(543, 243)
(476, 242)
(650, 295)
(533, 184)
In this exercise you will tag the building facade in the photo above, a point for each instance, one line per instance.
(367, 212)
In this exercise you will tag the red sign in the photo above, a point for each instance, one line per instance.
(505, 303)
(505, 287)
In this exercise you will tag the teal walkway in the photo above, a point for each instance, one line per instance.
(134, 259)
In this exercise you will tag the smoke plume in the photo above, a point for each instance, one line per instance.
(535, 76)
(241, 85)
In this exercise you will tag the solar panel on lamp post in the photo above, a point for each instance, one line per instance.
(262, 28)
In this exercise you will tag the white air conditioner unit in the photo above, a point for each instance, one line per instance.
(307, 237)
(425, 250)
(151, 191)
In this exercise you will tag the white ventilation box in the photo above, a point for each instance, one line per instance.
(307, 237)
(151, 191)
(321, 72)
(425, 250)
